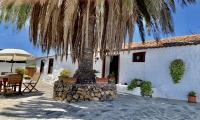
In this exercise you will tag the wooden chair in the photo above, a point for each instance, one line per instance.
(30, 85)
(4, 73)
(14, 81)
(1, 85)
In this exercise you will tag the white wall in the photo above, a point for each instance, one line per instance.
(98, 65)
(156, 70)
(6, 67)
(60, 65)
(129, 70)
(107, 66)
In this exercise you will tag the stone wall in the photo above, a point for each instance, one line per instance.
(84, 92)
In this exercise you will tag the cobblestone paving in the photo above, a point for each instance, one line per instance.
(125, 107)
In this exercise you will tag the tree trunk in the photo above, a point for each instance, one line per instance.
(85, 73)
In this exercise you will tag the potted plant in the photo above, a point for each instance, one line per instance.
(27, 77)
(31, 70)
(100, 80)
(146, 89)
(20, 71)
(134, 83)
(192, 97)
(65, 77)
(111, 78)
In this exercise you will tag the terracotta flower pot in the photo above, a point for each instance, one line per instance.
(192, 99)
(31, 71)
(102, 80)
(68, 80)
(112, 80)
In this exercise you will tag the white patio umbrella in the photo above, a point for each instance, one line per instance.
(15, 55)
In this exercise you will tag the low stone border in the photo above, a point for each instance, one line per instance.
(84, 92)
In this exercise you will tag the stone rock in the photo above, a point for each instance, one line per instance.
(80, 92)
(102, 93)
(80, 89)
(68, 98)
(81, 97)
(95, 99)
(92, 94)
(107, 92)
(98, 95)
(87, 97)
(75, 96)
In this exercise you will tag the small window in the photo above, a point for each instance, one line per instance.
(50, 68)
(139, 57)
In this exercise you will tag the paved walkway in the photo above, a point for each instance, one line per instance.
(126, 107)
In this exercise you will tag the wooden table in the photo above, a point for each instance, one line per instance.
(3, 82)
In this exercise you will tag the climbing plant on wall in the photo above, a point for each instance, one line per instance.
(177, 69)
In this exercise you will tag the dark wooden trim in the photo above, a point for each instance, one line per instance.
(50, 67)
(2, 61)
(104, 67)
(141, 56)
(118, 69)
(42, 65)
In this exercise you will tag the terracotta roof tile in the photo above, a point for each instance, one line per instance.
(169, 42)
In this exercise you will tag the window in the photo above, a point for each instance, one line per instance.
(50, 68)
(139, 57)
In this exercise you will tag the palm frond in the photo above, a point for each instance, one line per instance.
(100, 25)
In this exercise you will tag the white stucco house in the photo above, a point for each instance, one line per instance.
(149, 61)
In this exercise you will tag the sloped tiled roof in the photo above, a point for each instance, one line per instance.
(169, 42)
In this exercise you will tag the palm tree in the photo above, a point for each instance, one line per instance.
(88, 27)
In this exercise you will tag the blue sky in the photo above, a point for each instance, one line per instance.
(186, 21)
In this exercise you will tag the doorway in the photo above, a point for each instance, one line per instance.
(42, 64)
(50, 68)
(114, 67)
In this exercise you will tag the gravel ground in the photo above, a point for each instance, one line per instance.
(126, 107)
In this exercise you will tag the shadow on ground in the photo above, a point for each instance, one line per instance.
(23, 95)
(126, 107)
(40, 107)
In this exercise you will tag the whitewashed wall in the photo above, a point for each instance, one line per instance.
(107, 66)
(6, 67)
(129, 70)
(156, 70)
(60, 65)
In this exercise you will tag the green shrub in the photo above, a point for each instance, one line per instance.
(20, 71)
(111, 75)
(31, 63)
(192, 93)
(177, 69)
(27, 77)
(146, 89)
(65, 73)
(134, 83)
